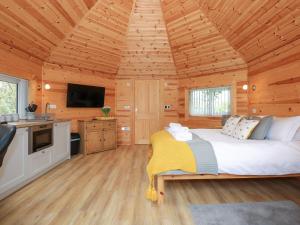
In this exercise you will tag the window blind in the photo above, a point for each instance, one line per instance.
(210, 101)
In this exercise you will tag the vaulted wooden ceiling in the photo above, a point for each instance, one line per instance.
(254, 27)
(37, 26)
(197, 45)
(149, 37)
(97, 40)
(147, 51)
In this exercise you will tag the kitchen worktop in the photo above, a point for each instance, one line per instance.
(30, 123)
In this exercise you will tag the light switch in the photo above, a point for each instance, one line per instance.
(253, 110)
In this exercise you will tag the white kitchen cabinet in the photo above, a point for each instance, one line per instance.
(61, 142)
(20, 168)
(13, 170)
(38, 162)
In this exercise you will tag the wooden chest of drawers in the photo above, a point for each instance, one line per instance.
(98, 135)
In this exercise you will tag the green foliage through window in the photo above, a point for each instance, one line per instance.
(8, 97)
(210, 101)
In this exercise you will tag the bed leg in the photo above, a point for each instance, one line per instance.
(160, 189)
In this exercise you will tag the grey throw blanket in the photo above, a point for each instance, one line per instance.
(204, 156)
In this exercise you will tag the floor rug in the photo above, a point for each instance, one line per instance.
(257, 213)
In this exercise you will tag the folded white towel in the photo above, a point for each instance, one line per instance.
(180, 134)
(183, 136)
(175, 129)
(173, 125)
(179, 129)
(185, 129)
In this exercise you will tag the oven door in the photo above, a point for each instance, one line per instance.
(41, 137)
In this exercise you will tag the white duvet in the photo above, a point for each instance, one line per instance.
(252, 157)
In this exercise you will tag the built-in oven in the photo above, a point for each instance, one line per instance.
(40, 137)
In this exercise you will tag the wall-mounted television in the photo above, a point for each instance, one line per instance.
(84, 96)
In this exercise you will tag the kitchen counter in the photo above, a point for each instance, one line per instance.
(21, 164)
(30, 123)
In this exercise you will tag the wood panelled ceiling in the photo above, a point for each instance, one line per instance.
(255, 27)
(128, 38)
(147, 51)
(36, 26)
(96, 42)
(198, 47)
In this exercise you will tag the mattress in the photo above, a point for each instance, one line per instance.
(251, 157)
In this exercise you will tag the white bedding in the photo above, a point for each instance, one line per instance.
(252, 157)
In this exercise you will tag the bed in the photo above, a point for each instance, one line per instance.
(241, 159)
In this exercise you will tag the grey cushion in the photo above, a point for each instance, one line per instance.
(261, 130)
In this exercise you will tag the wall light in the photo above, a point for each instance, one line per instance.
(245, 87)
(47, 86)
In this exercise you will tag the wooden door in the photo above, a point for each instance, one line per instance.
(146, 110)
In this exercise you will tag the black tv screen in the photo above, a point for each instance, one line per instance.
(83, 96)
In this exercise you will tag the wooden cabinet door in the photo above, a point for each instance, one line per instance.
(94, 142)
(146, 110)
(109, 139)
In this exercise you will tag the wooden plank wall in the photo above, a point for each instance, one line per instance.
(125, 110)
(169, 96)
(58, 77)
(125, 106)
(236, 79)
(277, 80)
(18, 64)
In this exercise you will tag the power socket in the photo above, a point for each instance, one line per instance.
(52, 106)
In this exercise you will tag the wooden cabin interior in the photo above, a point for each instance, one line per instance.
(152, 64)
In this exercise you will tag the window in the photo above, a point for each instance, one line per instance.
(8, 97)
(210, 101)
(13, 95)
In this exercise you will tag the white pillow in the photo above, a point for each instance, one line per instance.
(230, 125)
(244, 129)
(284, 128)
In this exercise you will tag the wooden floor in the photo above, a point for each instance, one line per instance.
(108, 188)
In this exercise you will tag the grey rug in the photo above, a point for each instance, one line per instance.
(258, 213)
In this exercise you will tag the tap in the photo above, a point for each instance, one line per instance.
(46, 109)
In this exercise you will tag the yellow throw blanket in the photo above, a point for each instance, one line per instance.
(168, 154)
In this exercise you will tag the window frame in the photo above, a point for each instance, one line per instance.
(187, 97)
(22, 92)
